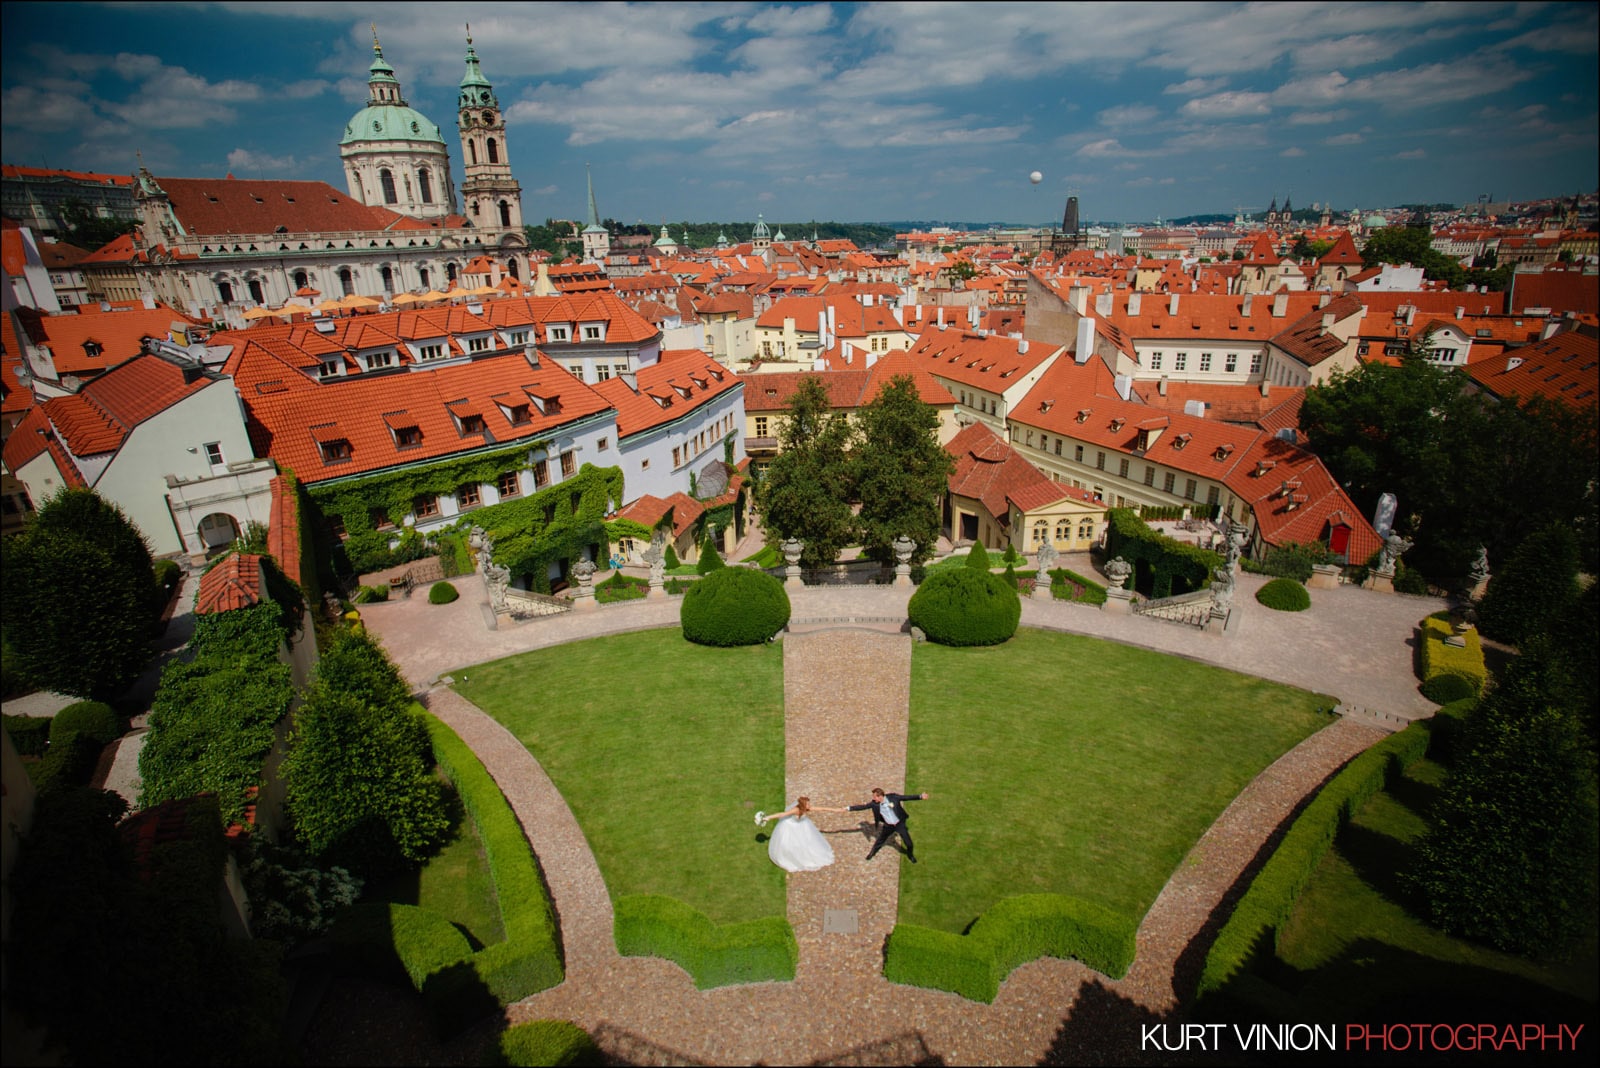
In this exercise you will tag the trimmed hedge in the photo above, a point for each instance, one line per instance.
(734, 606)
(442, 593)
(755, 951)
(368, 594)
(1070, 586)
(620, 587)
(1012, 933)
(30, 734)
(380, 937)
(978, 557)
(710, 560)
(94, 719)
(168, 574)
(555, 1043)
(1284, 595)
(1440, 660)
(69, 760)
(1173, 567)
(964, 606)
(529, 960)
(1272, 895)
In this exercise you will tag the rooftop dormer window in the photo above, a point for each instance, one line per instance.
(1116, 424)
(92, 349)
(558, 333)
(519, 414)
(472, 424)
(335, 450)
(1180, 441)
(1222, 452)
(1083, 414)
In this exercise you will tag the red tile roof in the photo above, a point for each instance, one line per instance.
(283, 532)
(220, 206)
(10, 170)
(58, 255)
(1342, 254)
(118, 335)
(33, 436)
(1564, 367)
(990, 471)
(1307, 341)
(984, 362)
(1560, 291)
(232, 583)
(680, 382)
(98, 418)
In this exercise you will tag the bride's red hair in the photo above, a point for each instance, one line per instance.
(801, 807)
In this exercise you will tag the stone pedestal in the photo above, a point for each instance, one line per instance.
(583, 599)
(791, 578)
(1382, 581)
(1324, 577)
(658, 590)
(1118, 602)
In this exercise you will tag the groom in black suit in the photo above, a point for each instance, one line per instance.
(889, 814)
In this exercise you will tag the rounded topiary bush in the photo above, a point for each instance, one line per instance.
(964, 606)
(1448, 688)
(1285, 595)
(553, 1042)
(94, 719)
(442, 593)
(734, 606)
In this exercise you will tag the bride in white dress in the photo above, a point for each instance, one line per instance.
(796, 844)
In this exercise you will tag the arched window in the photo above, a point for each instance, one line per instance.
(425, 185)
(472, 150)
(1041, 532)
(494, 151)
(255, 292)
(346, 282)
(301, 280)
(388, 279)
(387, 179)
(511, 266)
(1064, 530)
(450, 272)
(505, 213)
(1086, 530)
(475, 209)
(225, 291)
(422, 275)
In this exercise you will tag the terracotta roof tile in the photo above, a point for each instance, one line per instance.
(232, 583)
(678, 371)
(1564, 367)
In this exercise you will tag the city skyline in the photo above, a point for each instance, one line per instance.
(841, 111)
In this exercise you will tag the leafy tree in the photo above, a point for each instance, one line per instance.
(1511, 858)
(1413, 245)
(1309, 250)
(806, 492)
(80, 596)
(900, 471)
(87, 230)
(360, 787)
(1539, 581)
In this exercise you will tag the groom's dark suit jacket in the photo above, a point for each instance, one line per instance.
(894, 801)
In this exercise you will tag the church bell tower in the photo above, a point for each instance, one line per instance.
(490, 195)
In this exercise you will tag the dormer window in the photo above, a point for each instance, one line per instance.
(477, 344)
(329, 368)
(519, 415)
(1083, 414)
(92, 349)
(1222, 452)
(1116, 424)
(593, 332)
(431, 352)
(558, 333)
(1262, 467)
(379, 360)
(1180, 441)
(472, 424)
(408, 437)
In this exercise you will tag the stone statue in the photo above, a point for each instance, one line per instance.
(1118, 570)
(792, 548)
(1235, 546)
(1479, 571)
(583, 571)
(1222, 589)
(498, 579)
(1394, 546)
(1047, 556)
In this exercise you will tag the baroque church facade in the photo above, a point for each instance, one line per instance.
(221, 246)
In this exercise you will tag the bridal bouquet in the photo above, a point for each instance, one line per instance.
(761, 819)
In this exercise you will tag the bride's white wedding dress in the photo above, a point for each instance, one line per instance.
(797, 845)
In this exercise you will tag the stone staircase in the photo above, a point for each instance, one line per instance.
(525, 604)
(1373, 717)
(1190, 609)
(885, 624)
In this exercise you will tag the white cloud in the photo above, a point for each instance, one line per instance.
(305, 89)
(1292, 152)
(258, 163)
(1317, 118)
(1344, 139)
(1196, 86)
(1414, 153)
(1127, 115)
(1228, 105)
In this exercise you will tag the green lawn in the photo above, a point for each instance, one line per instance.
(456, 884)
(664, 750)
(1352, 941)
(1062, 764)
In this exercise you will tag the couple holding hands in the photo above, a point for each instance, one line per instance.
(797, 844)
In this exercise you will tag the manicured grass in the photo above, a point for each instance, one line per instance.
(1353, 938)
(1062, 764)
(766, 556)
(664, 750)
(456, 884)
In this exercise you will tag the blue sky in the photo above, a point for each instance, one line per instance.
(846, 111)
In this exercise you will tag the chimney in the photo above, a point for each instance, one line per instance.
(530, 354)
(822, 330)
(1266, 387)
(1124, 386)
(1022, 346)
(1280, 305)
(1085, 346)
(833, 324)
(1078, 298)
(149, 302)
(1460, 312)
(1513, 363)
(1172, 305)
(1102, 305)
(1411, 314)
(630, 379)
(1322, 301)
(1161, 386)
(1327, 321)
(1245, 311)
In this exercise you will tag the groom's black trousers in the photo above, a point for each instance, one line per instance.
(889, 830)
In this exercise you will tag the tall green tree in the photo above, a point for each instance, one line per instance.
(361, 792)
(1413, 245)
(899, 470)
(806, 492)
(80, 596)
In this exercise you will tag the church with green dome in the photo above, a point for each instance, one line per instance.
(394, 157)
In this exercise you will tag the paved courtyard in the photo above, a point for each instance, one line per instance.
(846, 693)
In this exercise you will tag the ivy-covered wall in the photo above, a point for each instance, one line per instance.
(556, 523)
(1163, 566)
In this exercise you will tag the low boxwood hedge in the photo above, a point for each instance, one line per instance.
(1012, 933)
(381, 937)
(1440, 661)
(734, 606)
(442, 593)
(1272, 894)
(620, 587)
(1070, 586)
(755, 951)
(965, 606)
(95, 719)
(554, 1043)
(30, 734)
(1284, 595)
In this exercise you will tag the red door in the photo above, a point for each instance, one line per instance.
(1338, 539)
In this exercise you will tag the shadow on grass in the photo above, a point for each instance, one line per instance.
(1378, 859)
(1103, 1027)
